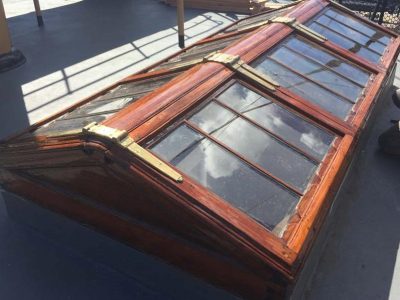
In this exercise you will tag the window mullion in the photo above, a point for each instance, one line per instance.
(347, 38)
(311, 80)
(322, 65)
(90, 114)
(241, 157)
(276, 136)
(352, 28)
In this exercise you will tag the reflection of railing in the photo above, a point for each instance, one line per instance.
(385, 12)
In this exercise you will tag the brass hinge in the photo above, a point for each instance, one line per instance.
(121, 138)
(292, 22)
(235, 63)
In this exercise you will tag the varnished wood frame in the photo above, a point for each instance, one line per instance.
(284, 254)
(281, 100)
(177, 251)
(215, 36)
(143, 74)
(171, 103)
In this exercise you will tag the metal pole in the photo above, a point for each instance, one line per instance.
(38, 12)
(5, 39)
(181, 23)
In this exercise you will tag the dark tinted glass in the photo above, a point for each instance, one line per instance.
(137, 88)
(104, 106)
(354, 35)
(304, 87)
(290, 127)
(254, 20)
(330, 61)
(100, 107)
(346, 43)
(315, 74)
(373, 33)
(61, 127)
(228, 176)
(255, 145)
(197, 52)
(242, 152)
(351, 34)
(318, 73)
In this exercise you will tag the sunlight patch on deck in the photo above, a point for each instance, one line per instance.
(71, 84)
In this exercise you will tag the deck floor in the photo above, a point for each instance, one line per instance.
(86, 45)
(361, 259)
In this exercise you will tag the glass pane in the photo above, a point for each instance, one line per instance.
(254, 20)
(227, 176)
(346, 43)
(374, 34)
(198, 52)
(242, 99)
(318, 73)
(210, 46)
(212, 118)
(287, 125)
(116, 104)
(304, 88)
(63, 126)
(351, 34)
(97, 107)
(255, 145)
(346, 69)
(104, 106)
(137, 88)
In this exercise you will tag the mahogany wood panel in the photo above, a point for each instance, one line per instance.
(250, 48)
(195, 260)
(200, 228)
(85, 182)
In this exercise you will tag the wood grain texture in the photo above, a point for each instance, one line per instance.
(201, 262)
(97, 182)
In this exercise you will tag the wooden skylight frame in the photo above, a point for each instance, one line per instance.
(151, 114)
(346, 130)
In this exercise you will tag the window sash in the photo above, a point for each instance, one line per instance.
(344, 72)
(344, 130)
(290, 188)
(300, 82)
(349, 37)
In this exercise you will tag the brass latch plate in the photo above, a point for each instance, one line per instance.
(235, 63)
(121, 138)
(292, 22)
(104, 131)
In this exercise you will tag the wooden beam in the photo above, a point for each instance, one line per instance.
(181, 23)
(38, 13)
(5, 39)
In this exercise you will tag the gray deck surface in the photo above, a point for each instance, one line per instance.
(86, 45)
(359, 260)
